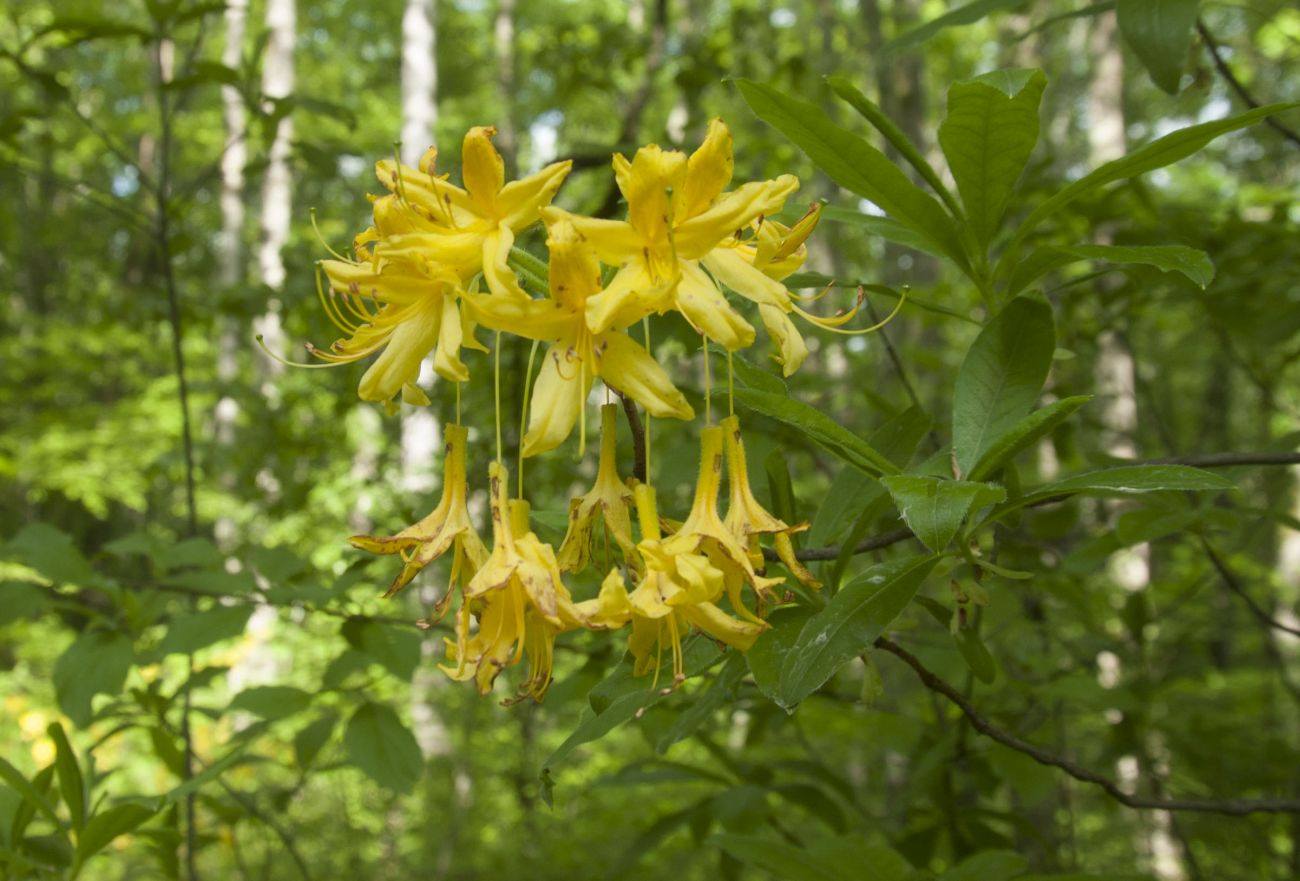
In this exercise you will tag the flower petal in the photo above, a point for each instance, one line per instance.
(708, 172)
(446, 359)
(521, 201)
(737, 273)
(615, 241)
(703, 305)
(791, 349)
(399, 364)
(501, 279)
(628, 367)
(701, 234)
(558, 396)
(540, 320)
(482, 169)
(630, 296)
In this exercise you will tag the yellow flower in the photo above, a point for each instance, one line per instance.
(677, 214)
(469, 230)
(755, 267)
(747, 519)
(402, 310)
(704, 532)
(609, 500)
(677, 592)
(520, 602)
(576, 355)
(447, 527)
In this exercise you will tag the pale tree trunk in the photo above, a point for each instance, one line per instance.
(230, 246)
(503, 42)
(421, 432)
(277, 82)
(1116, 378)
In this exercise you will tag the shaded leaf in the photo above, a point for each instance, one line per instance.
(1160, 34)
(934, 508)
(97, 663)
(380, 745)
(820, 428)
(1027, 431)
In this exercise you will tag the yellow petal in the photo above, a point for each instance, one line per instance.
(399, 364)
(558, 395)
(791, 349)
(615, 241)
(446, 359)
(701, 234)
(521, 201)
(707, 173)
(702, 304)
(501, 279)
(482, 169)
(630, 296)
(628, 367)
(733, 270)
(461, 252)
(574, 269)
(401, 285)
(532, 319)
(723, 627)
(653, 177)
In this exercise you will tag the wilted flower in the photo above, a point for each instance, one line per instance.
(609, 504)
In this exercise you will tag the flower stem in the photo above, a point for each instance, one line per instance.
(731, 386)
(496, 388)
(523, 415)
(708, 384)
(645, 324)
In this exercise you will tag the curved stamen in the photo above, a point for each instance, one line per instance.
(326, 245)
(833, 324)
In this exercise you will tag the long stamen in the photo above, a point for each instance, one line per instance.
(833, 324)
(582, 407)
(326, 245)
(279, 359)
(645, 324)
(523, 415)
(397, 173)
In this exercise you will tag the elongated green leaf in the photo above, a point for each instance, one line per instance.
(719, 692)
(71, 784)
(271, 701)
(857, 166)
(1122, 481)
(30, 794)
(1190, 262)
(782, 859)
(968, 641)
(310, 740)
(962, 15)
(819, 427)
(1001, 377)
(96, 663)
(106, 826)
(397, 650)
(1027, 431)
(894, 135)
(883, 228)
(379, 744)
(1157, 154)
(991, 865)
(1160, 33)
(198, 630)
(848, 625)
(767, 658)
(988, 135)
(934, 509)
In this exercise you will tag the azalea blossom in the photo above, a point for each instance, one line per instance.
(677, 214)
(609, 503)
(576, 355)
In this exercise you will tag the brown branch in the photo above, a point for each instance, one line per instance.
(1212, 46)
(1230, 807)
(638, 436)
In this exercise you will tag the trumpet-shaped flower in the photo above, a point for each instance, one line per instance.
(677, 592)
(609, 502)
(447, 527)
(576, 355)
(704, 532)
(747, 519)
(677, 214)
(520, 601)
(469, 230)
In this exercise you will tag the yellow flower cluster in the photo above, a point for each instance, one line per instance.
(413, 290)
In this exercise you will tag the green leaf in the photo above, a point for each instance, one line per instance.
(1027, 431)
(968, 641)
(857, 166)
(704, 705)
(214, 582)
(894, 135)
(1001, 377)
(991, 865)
(819, 427)
(197, 630)
(309, 741)
(849, 624)
(1194, 264)
(52, 552)
(962, 15)
(397, 650)
(29, 792)
(380, 745)
(1160, 34)
(97, 663)
(767, 657)
(71, 784)
(198, 553)
(106, 826)
(934, 508)
(1123, 481)
(784, 860)
(271, 701)
(1157, 154)
(988, 135)
(875, 227)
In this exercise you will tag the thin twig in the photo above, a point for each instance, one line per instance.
(638, 436)
(1234, 584)
(1212, 46)
(1230, 807)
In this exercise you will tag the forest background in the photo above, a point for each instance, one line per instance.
(199, 679)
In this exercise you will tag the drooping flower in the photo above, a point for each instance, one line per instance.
(747, 519)
(677, 592)
(677, 214)
(447, 527)
(703, 532)
(469, 230)
(609, 504)
(519, 600)
(576, 355)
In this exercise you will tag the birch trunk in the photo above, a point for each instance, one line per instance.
(277, 82)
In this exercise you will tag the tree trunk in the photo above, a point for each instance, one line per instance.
(277, 82)
(503, 42)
